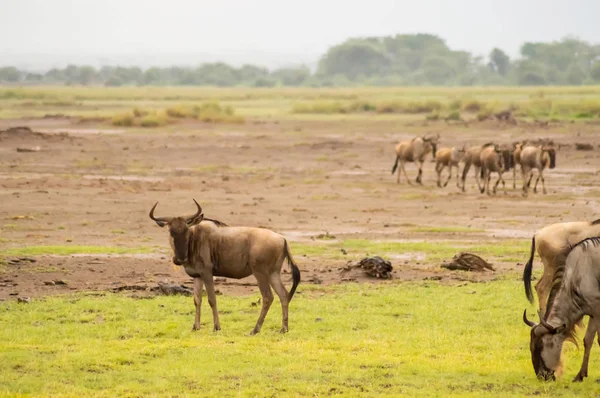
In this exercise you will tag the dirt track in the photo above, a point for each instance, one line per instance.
(90, 186)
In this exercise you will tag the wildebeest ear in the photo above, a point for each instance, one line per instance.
(160, 223)
(560, 329)
(195, 220)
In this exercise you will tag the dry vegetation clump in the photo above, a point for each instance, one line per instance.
(211, 112)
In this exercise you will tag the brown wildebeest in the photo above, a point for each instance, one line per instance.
(539, 158)
(575, 292)
(414, 151)
(207, 248)
(550, 242)
(471, 158)
(494, 159)
(448, 157)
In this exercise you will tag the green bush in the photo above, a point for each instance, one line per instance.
(123, 120)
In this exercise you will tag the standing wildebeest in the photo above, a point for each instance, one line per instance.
(210, 248)
(448, 157)
(494, 159)
(472, 158)
(575, 292)
(550, 242)
(414, 151)
(539, 158)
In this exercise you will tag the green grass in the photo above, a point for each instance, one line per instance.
(69, 250)
(127, 106)
(435, 252)
(430, 229)
(400, 339)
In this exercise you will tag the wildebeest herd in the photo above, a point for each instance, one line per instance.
(568, 290)
(485, 160)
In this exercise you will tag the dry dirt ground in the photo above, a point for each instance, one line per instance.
(92, 185)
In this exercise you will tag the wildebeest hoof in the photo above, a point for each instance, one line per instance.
(194, 328)
(579, 378)
(254, 331)
(217, 328)
(284, 330)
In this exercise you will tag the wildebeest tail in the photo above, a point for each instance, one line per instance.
(395, 165)
(295, 270)
(527, 272)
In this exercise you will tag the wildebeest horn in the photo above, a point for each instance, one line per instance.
(527, 321)
(550, 328)
(161, 221)
(190, 219)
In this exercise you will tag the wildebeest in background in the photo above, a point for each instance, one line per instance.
(414, 151)
(471, 158)
(493, 159)
(538, 157)
(448, 157)
(575, 292)
(210, 248)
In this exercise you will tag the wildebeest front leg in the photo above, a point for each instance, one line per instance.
(420, 175)
(588, 342)
(477, 172)
(198, 285)
(212, 299)
(277, 285)
(267, 299)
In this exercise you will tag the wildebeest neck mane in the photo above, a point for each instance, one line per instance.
(216, 222)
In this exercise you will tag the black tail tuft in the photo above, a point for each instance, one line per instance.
(527, 272)
(395, 165)
(295, 271)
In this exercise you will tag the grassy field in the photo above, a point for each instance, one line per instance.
(161, 104)
(351, 340)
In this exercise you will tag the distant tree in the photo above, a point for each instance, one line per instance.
(10, 74)
(499, 62)
(595, 72)
(292, 76)
(354, 58)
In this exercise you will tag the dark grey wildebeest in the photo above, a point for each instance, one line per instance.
(415, 151)
(575, 293)
(540, 158)
(207, 248)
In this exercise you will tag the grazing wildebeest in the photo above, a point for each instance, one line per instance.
(575, 292)
(414, 151)
(493, 159)
(471, 158)
(448, 157)
(536, 157)
(207, 248)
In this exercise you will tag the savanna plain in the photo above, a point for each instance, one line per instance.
(80, 168)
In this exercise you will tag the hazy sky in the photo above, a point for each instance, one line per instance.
(286, 31)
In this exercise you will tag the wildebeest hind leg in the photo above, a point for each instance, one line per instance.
(277, 285)
(404, 170)
(449, 176)
(536, 181)
(267, 299)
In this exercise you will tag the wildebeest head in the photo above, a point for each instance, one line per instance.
(545, 345)
(431, 142)
(179, 231)
(552, 154)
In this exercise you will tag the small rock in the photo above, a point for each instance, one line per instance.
(32, 149)
(49, 283)
(60, 282)
(25, 300)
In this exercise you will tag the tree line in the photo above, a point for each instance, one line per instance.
(401, 60)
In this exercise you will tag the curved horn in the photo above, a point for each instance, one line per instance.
(190, 219)
(161, 221)
(545, 324)
(527, 321)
